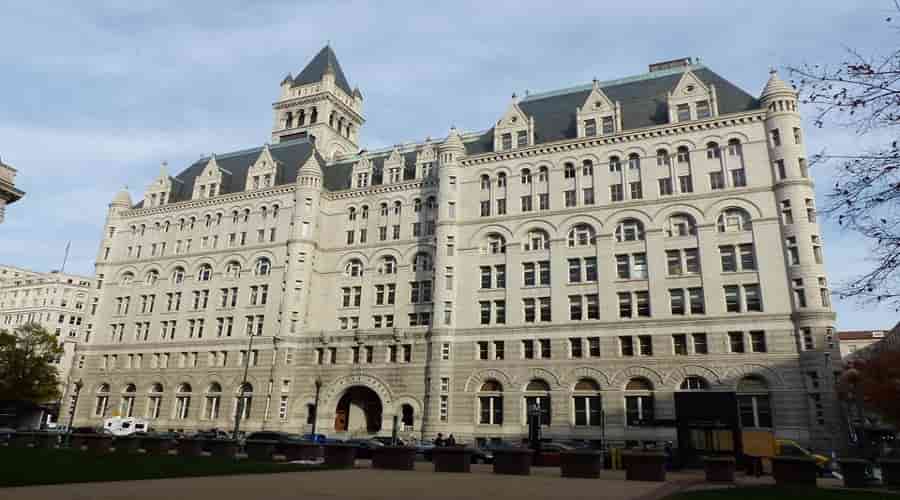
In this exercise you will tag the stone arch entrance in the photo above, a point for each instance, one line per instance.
(359, 409)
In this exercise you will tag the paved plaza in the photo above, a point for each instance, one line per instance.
(366, 483)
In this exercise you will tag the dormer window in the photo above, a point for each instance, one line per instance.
(395, 174)
(362, 179)
(506, 141)
(590, 128)
(703, 110)
(684, 112)
(608, 125)
(522, 139)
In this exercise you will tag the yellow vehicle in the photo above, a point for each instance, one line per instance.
(786, 447)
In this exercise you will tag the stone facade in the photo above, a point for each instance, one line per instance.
(60, 302)
(607, 246)
(8, 191)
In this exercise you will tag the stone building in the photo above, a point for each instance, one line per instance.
(8, 191)
(632, 260)
(60, 302)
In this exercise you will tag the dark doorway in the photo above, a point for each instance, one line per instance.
(707, 425)
(359, 409)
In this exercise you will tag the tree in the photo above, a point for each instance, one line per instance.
(874, 383)
(26, 369)
(863, 94)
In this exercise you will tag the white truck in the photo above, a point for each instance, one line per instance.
(124, 426)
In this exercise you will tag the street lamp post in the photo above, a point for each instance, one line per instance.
(78, 385)
(316, 408)
(242, 393)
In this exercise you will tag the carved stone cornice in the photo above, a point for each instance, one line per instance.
(209, 202)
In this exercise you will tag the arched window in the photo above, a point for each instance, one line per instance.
(754, 405)
(235, 216)
(384, 209)
(387, 265)
(712, 151)
(246, 217)
(244, 400)
(431, 204)
(262, 267)
(587, 167)
(490, 403)
(543, 174)
(536, 239)
(233, 269)
(494, 244)
(154, 401)
(638, 402)
(205, 273)
(207, 220)
(537, 401)
(526, 176)
(501, 179)
(354, 268)
(681, 224)
(587, 402)
(485, 182)
(662, 158)
(634, 161)
(422, 262)
(126, 406)
(615, 165)
(733, 220)
(364, 212)
(218, 218)
(397, 206)
(178, 275)
(694, 383)
(213, 401)
(569, 170)
(734, 147)
(127, 278)
(182, 401)
(152, 277)
(407, 417)
(101, 403)
(581, 235)
(417, 205)
(630, 230)
(351, 214)
(683, 155)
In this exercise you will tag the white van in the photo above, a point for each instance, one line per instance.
(124, 426)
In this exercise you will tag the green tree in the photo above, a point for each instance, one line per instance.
(26, 364)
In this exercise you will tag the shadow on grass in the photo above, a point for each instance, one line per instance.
(32, 466)
(778, 493)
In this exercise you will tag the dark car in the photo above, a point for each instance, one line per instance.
(388, 441)
(281, 437)
(87, 430)
(364, 447)
(212, 434)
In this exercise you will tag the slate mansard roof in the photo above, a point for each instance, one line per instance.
(643, 102)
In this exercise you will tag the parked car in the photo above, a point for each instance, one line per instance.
(389, 441)
(88, 430)
(212, 434)
(364, 447)
(6, 434)
(482, 456)
(548, 453)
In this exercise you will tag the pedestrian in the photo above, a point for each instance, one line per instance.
(451, 441)
(439, 440)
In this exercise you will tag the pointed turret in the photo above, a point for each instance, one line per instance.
(122, 199)
(775, 85)
(325, 62)
(312, 167)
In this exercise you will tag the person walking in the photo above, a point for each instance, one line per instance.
(451, 441)
(439, 440)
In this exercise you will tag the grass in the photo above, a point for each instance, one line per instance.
(35, 466)
(775, 493)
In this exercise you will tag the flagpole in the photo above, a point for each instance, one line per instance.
(65, 257)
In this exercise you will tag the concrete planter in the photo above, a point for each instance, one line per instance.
(645, 466)
(156, 445)
(23, 440)
(302, 451)
(127, 444)
(890, 472)
(584, 463)
(719, 469)
(394, 457)
(260, 450)
(340, 456)
(514, 461)
(191, 447)
(99, 443)
(78, 441)
(452, 459)
(794, 471)
(854, 472)
(222, 448)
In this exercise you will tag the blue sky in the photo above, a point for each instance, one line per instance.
(96, 94)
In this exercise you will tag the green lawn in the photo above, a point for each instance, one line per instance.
(774, 493)
(32, 466)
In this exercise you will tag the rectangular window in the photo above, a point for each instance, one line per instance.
(486, 279)
(636, 190)
(623, 266)
(625, 306)
(498, 350)
(748, 257)
(528, 349)
(593, 306)
(626, 346)
(590, 128)
(736, 342)
(673, 260)
(645, 344)
(545, 308)
(529, 309)
(522, 138)
(643, 303)
(588, 196)
(506, 142)
(575, 310)
(570, 198)
(615, 192)
(698, 305)
(501, 206)
(528, 274)
(679, 344)
(545, 345)
(500, 312)
(700, 345)
(526, 203)
(485, 308)
(685, 184)
(758, 341)
(594, 347)
(703, 110)
(608, 125)
(776, 137)
(575, 270)
(716, 181)
(753, 298)
(676, 300)
(544, 273)
(732, 298)
(575, 348)
(665, 186)
(683, 112)
(739, 177)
